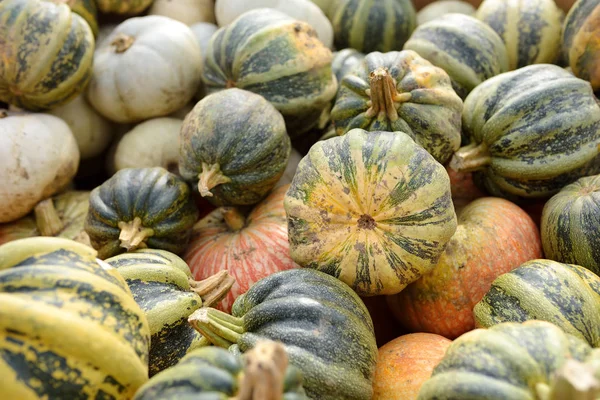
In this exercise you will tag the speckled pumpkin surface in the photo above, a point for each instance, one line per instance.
(370, 208)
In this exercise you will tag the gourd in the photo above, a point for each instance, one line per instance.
(570, 224)
(161, 284)
(372, 25)
(531, 132)
(38, 158)
(493, 237)
(278, 57)
(85, 8)
(565, 294)
(401, 91)
(250, 247)
(203, 31)
(442, 7)
(123, 7)
(229, 168)
(123, 87)
(530, 29)
(140, 208)
(40, 33)
(187, 11)
(298, 307)
(467, 49)
(370, 208)
(227, 11)
(344, 61)
(69, 327)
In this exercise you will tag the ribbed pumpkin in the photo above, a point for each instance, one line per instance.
(370, 208)
(438, 8)
(39, 33)
(234, 147)
(69, 327)
(532, 131)
(344, 61)
(565, 294)
(467, 49)
(86, 9)
(401, 91)
(271, 54)
(493, 236)
(123, 7)
(571, 224)
(325, 327)
(140, 207)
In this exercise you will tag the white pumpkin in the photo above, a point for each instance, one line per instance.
(203, 31)
(304, 10)
(290, 169)
(187, 11)
(147, 67)
(38, 158)
(442, 7)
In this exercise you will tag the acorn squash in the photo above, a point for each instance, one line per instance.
(344, 61)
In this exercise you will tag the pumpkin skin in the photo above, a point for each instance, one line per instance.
(42, 33)
(493, 237)
(123, 7)
(564, 294)
(443, 7)
(570, 224)
(344, 61)
(138, 208)
(86, 9)
(69, 325)
(228, 168)
(370, 208)
(531, 132)
(187, 11)
(401, 91)
(296, 307)
(463, 188)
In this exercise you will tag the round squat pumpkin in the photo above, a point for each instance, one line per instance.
(442, 7)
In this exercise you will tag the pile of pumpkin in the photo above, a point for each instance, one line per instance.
(337, 199)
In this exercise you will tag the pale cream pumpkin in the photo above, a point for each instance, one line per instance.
(439, 8)
(187, 11)
(203, 31)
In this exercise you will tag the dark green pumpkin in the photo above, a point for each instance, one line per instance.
(531, 132)
(401, 92)
(140, 207)
(566, 295)
(233, 147)
(86, 9)
(324, 325)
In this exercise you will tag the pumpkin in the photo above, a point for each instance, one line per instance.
(290, 169)
(140, 208)
(325, 5)
(370, 208)
(278, 57)
(212, 372)
(249, 247)
(39, 33)
(203, 31)
(565, 294)
(580, 44)
(493, 236)
(531, 131)
(571, 224)
(162, 285)
(513, 361)
(125, 89)
(86, 9)
(372, 25)
(405, 363)
(187, 11)
(401, 91)
(69, 327)
(463, 188)
(229, 168)
(442, 7)
(38, 158)
(123, 7)
(324, 326)
(466, 48)
(344, 61)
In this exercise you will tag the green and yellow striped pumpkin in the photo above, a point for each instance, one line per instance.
(86, 9)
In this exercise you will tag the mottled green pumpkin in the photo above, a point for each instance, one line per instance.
(86, 9)
(123, 7)
(531, 132)
(233, 147)
(373, 209)
(324, 326)
(565, 294)
(466, 48)
(46, 54)
(140, 208)
(271, 54)
(344, 61)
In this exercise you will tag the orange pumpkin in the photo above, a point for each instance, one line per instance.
(405, 363)
(463, 188)
(493, 237)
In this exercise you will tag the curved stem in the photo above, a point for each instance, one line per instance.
(46, 218)
(471, 158)
(213, 288)
(210, 177)
(122, 42)
(264, 372)
(384, 95)
(220, 328)
(133, 234)
(574, 381)
(234, 219)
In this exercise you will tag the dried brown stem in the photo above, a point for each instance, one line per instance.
(471, 158)
(122, 42)
(264, 372)
(46, 218)
(133, 234)
(210, 177)
(384, 95)
(213, 288)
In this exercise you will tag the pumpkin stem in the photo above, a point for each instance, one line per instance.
(384, 95)
(234, 219)
(122, 42)
(264, 372)
(213, 288)
(574, 381)
(46, 218)
(133, 234)
(210, 177)
(471, 157)
(220, 328)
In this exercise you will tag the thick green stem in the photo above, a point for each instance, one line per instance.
(384, 95)
(220, 328)
(133, 235)
(46, 218)
(234, 219)
(471, 158)
(213, 288)
(264, 372)
(210, 177)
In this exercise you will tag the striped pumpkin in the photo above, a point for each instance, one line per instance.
(344, 61)
(532, 131)
(401, 91)
(571, 224)
(466, 48)
(370, 208)
(86, 9)
(249, 247)
(69, 327)
(442, 7)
